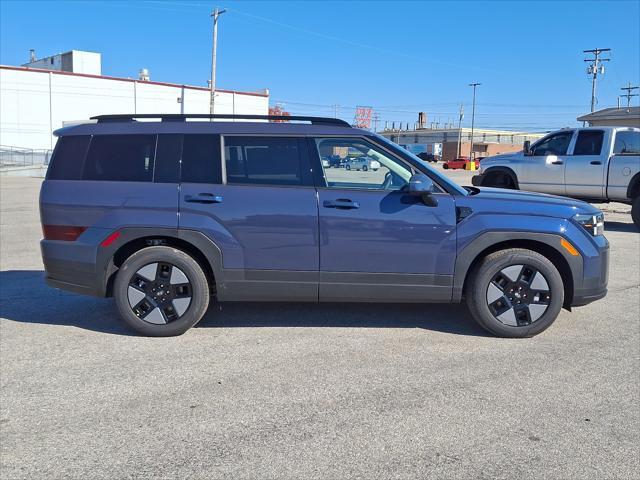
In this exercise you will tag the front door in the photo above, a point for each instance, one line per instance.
(543, 171)
(260, 210)
(585, 169)
(376, 242)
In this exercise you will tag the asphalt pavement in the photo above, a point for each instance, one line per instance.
(311, 391)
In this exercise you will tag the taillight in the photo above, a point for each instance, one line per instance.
(62, 232)
(110, 239)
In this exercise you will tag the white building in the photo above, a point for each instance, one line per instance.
(35, 102)
(76, 61)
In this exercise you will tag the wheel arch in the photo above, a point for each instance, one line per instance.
(505, 171)
(195, 244)
(633, 190)
(570, 269)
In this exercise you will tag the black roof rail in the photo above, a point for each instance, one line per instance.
(183, 117)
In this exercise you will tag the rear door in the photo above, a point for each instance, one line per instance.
(543, 170)
(376, 242)
(254, 197)
(585, 169)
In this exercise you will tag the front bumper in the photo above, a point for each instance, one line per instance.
(594, 280)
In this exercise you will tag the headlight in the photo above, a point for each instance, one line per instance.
(594, 224)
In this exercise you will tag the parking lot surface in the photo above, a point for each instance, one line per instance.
(311, 391)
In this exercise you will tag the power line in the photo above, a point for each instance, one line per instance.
(628, 95)
(594, 68)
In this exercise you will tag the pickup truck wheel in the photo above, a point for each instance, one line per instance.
(515, 293)
(635, 211)
(161, 292)
(499, 180)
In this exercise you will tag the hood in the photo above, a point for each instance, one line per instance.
(504, 201)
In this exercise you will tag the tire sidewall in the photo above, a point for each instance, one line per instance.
(487, 270)
(195, 275)
(635, 211)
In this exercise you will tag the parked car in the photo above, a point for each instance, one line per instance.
(461, 162)
(165, 216)
(596, 164)
(334, 161)
(429, 157)
(363, 163)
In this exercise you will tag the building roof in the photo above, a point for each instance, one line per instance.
(612, 114)
(178, 85)
(477, 131)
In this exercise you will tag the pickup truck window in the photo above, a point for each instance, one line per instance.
(556, 144)
(627, 143)
(589, 142)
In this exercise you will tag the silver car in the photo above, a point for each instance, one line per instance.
(363, 163)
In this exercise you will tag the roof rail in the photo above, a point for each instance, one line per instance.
(184, 117)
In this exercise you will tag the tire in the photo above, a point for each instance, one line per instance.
(140, 287)
(508, 298)
(445, 166)
(500, 180)
(347, 167)
(635, 211)
(365, 168)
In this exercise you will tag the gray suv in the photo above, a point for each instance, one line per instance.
(167, 214)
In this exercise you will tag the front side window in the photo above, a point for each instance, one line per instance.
(124, 158)
(356, 163)
(589, 142)
(556, 144)
(264, 160)
(627, 143)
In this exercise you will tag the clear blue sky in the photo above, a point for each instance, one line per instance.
(399, 57)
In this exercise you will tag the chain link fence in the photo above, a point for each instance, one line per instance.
(23, 157)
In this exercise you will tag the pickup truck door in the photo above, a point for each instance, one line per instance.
(585, 169)
(543, 170)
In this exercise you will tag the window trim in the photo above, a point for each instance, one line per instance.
(577, 137)
(570, 145)
(307, 178)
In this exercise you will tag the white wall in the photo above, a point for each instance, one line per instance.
(34, 103)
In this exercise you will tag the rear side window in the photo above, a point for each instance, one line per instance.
(167, 164)
(627, 143)
(200, 161)
(68, 158)
(124, 158)
(589, 142)
(264, 160)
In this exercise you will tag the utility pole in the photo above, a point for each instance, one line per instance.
(593, 70)
(473, 118)
(335, 110)
(629, 89)
(460, 117)
(215, 14)
(376, 119)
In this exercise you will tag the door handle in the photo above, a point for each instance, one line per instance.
(203, 198)
(596, 162)
(557, 162)
(341, 204)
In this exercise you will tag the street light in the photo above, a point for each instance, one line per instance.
(473, 118)
(215, 14)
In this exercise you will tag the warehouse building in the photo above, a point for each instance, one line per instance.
(37, 101)
(451, 142)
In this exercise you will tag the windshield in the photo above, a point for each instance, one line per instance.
(443, 180)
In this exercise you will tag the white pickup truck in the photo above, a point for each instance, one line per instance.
(596, 164)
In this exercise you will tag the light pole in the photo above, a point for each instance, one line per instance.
(473, 118)
(215, 14)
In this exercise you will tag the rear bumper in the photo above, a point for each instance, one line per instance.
(71, 266)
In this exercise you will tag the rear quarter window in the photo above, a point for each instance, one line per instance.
(124, 158)
(68, 158)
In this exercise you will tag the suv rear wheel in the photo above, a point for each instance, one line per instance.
(161, 292)
(515, 293)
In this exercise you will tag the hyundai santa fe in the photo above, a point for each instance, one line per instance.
(167, 213)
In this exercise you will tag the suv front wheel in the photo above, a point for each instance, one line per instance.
(515, 293)
(161, 291)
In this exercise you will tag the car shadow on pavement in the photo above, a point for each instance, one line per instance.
(25, 298)
(619, 227)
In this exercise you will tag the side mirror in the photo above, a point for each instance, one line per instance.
(526, 147)
(420, 184)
